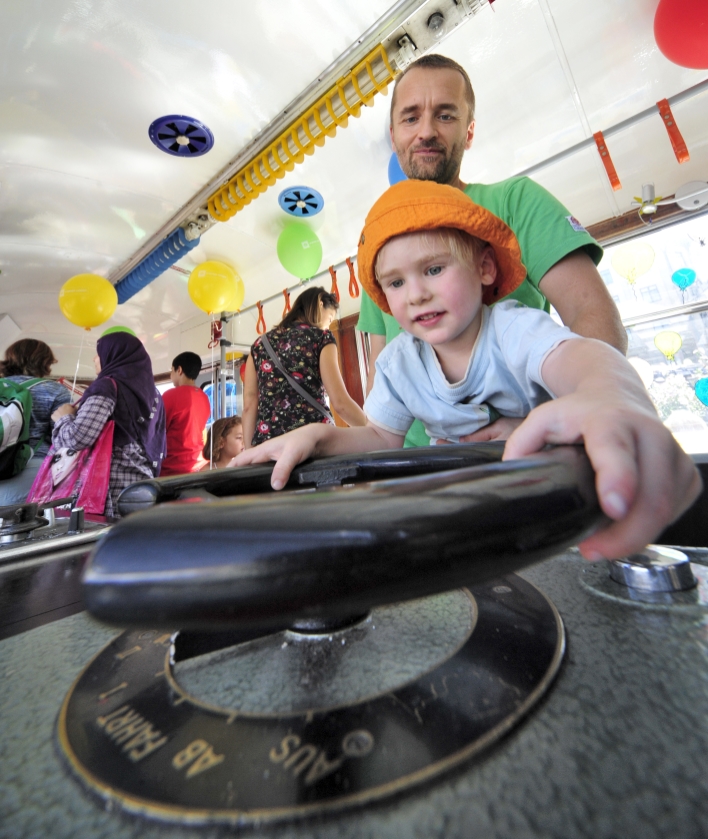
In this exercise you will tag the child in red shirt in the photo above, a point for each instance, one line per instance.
(187, 410)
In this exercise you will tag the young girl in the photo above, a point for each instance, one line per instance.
(226, 436)
(436, 261)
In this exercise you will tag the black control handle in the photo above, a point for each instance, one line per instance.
(328, 471)
(264, 562)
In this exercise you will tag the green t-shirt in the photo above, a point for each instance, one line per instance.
(546, 231)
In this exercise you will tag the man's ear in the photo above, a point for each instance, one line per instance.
(488, 266)
(470, 135)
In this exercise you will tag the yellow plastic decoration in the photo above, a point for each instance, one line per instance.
(216, 287)
(87, 300)
(310, 129)
(669, 343)
(632, 260)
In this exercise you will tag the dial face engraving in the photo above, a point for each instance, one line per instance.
(134, 738)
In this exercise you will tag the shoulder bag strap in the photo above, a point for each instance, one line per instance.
(295, 386)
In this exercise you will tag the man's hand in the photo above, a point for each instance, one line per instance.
(63, 411)
(644, 479)
(577, 292)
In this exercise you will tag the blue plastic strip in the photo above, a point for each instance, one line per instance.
(165, 254)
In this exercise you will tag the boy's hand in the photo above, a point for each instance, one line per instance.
(287, 451)
(500, 429)
(644, 479)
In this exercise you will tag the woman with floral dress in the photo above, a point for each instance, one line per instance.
(308, 352)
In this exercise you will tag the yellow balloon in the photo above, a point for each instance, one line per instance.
(632, 260)
(669, 343)
(216, 287)
(87, 300)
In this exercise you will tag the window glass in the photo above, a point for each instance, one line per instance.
(671, 356)
(659, 281)
(234, 400)
(661, 269)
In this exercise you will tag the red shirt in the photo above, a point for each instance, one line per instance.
(187, 410)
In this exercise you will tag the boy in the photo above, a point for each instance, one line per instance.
(187, 410)
(433, 259)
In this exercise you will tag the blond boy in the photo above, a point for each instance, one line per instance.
(435, 261)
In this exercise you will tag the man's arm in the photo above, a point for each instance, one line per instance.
(576, 291)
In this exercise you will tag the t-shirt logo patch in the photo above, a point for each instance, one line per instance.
(575, 224)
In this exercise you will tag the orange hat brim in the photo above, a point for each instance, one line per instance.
(411, 206)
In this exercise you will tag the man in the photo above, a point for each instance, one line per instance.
(432, 125)
(187, 410)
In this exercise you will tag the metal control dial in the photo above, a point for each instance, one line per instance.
(655, 569)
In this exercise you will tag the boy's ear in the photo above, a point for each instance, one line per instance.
(488, 266)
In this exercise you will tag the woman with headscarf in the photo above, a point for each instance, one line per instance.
(125, 392)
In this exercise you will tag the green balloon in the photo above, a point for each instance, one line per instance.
(112, 329)
(300, 251)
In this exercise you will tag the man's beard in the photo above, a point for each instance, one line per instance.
(445, 169)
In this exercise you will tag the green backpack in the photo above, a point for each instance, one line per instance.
(15, 411)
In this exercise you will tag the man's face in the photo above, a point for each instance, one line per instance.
(174, 375)
(430, 128)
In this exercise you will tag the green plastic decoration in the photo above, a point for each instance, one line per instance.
(112, 329)
(299, 250)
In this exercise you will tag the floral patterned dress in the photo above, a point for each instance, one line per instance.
(280, 407)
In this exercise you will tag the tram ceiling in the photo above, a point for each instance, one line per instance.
(82, 187)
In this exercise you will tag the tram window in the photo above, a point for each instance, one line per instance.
(660, 285)
(234, 400)
(651, 294)
(660, 269)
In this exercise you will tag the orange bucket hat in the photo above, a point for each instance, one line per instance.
(410, 206)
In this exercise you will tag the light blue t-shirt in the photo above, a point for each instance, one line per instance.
(504, 372)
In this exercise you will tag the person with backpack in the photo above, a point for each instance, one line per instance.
(27, 401)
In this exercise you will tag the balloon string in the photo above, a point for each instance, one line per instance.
(261, 324)
(334, 290)
(76, 372)
(353, 285)
(214, 398)
(286, 295)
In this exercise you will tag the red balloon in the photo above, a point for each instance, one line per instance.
(681, 32)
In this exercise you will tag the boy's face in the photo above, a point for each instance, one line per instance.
(174, 375)
(431, 294)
